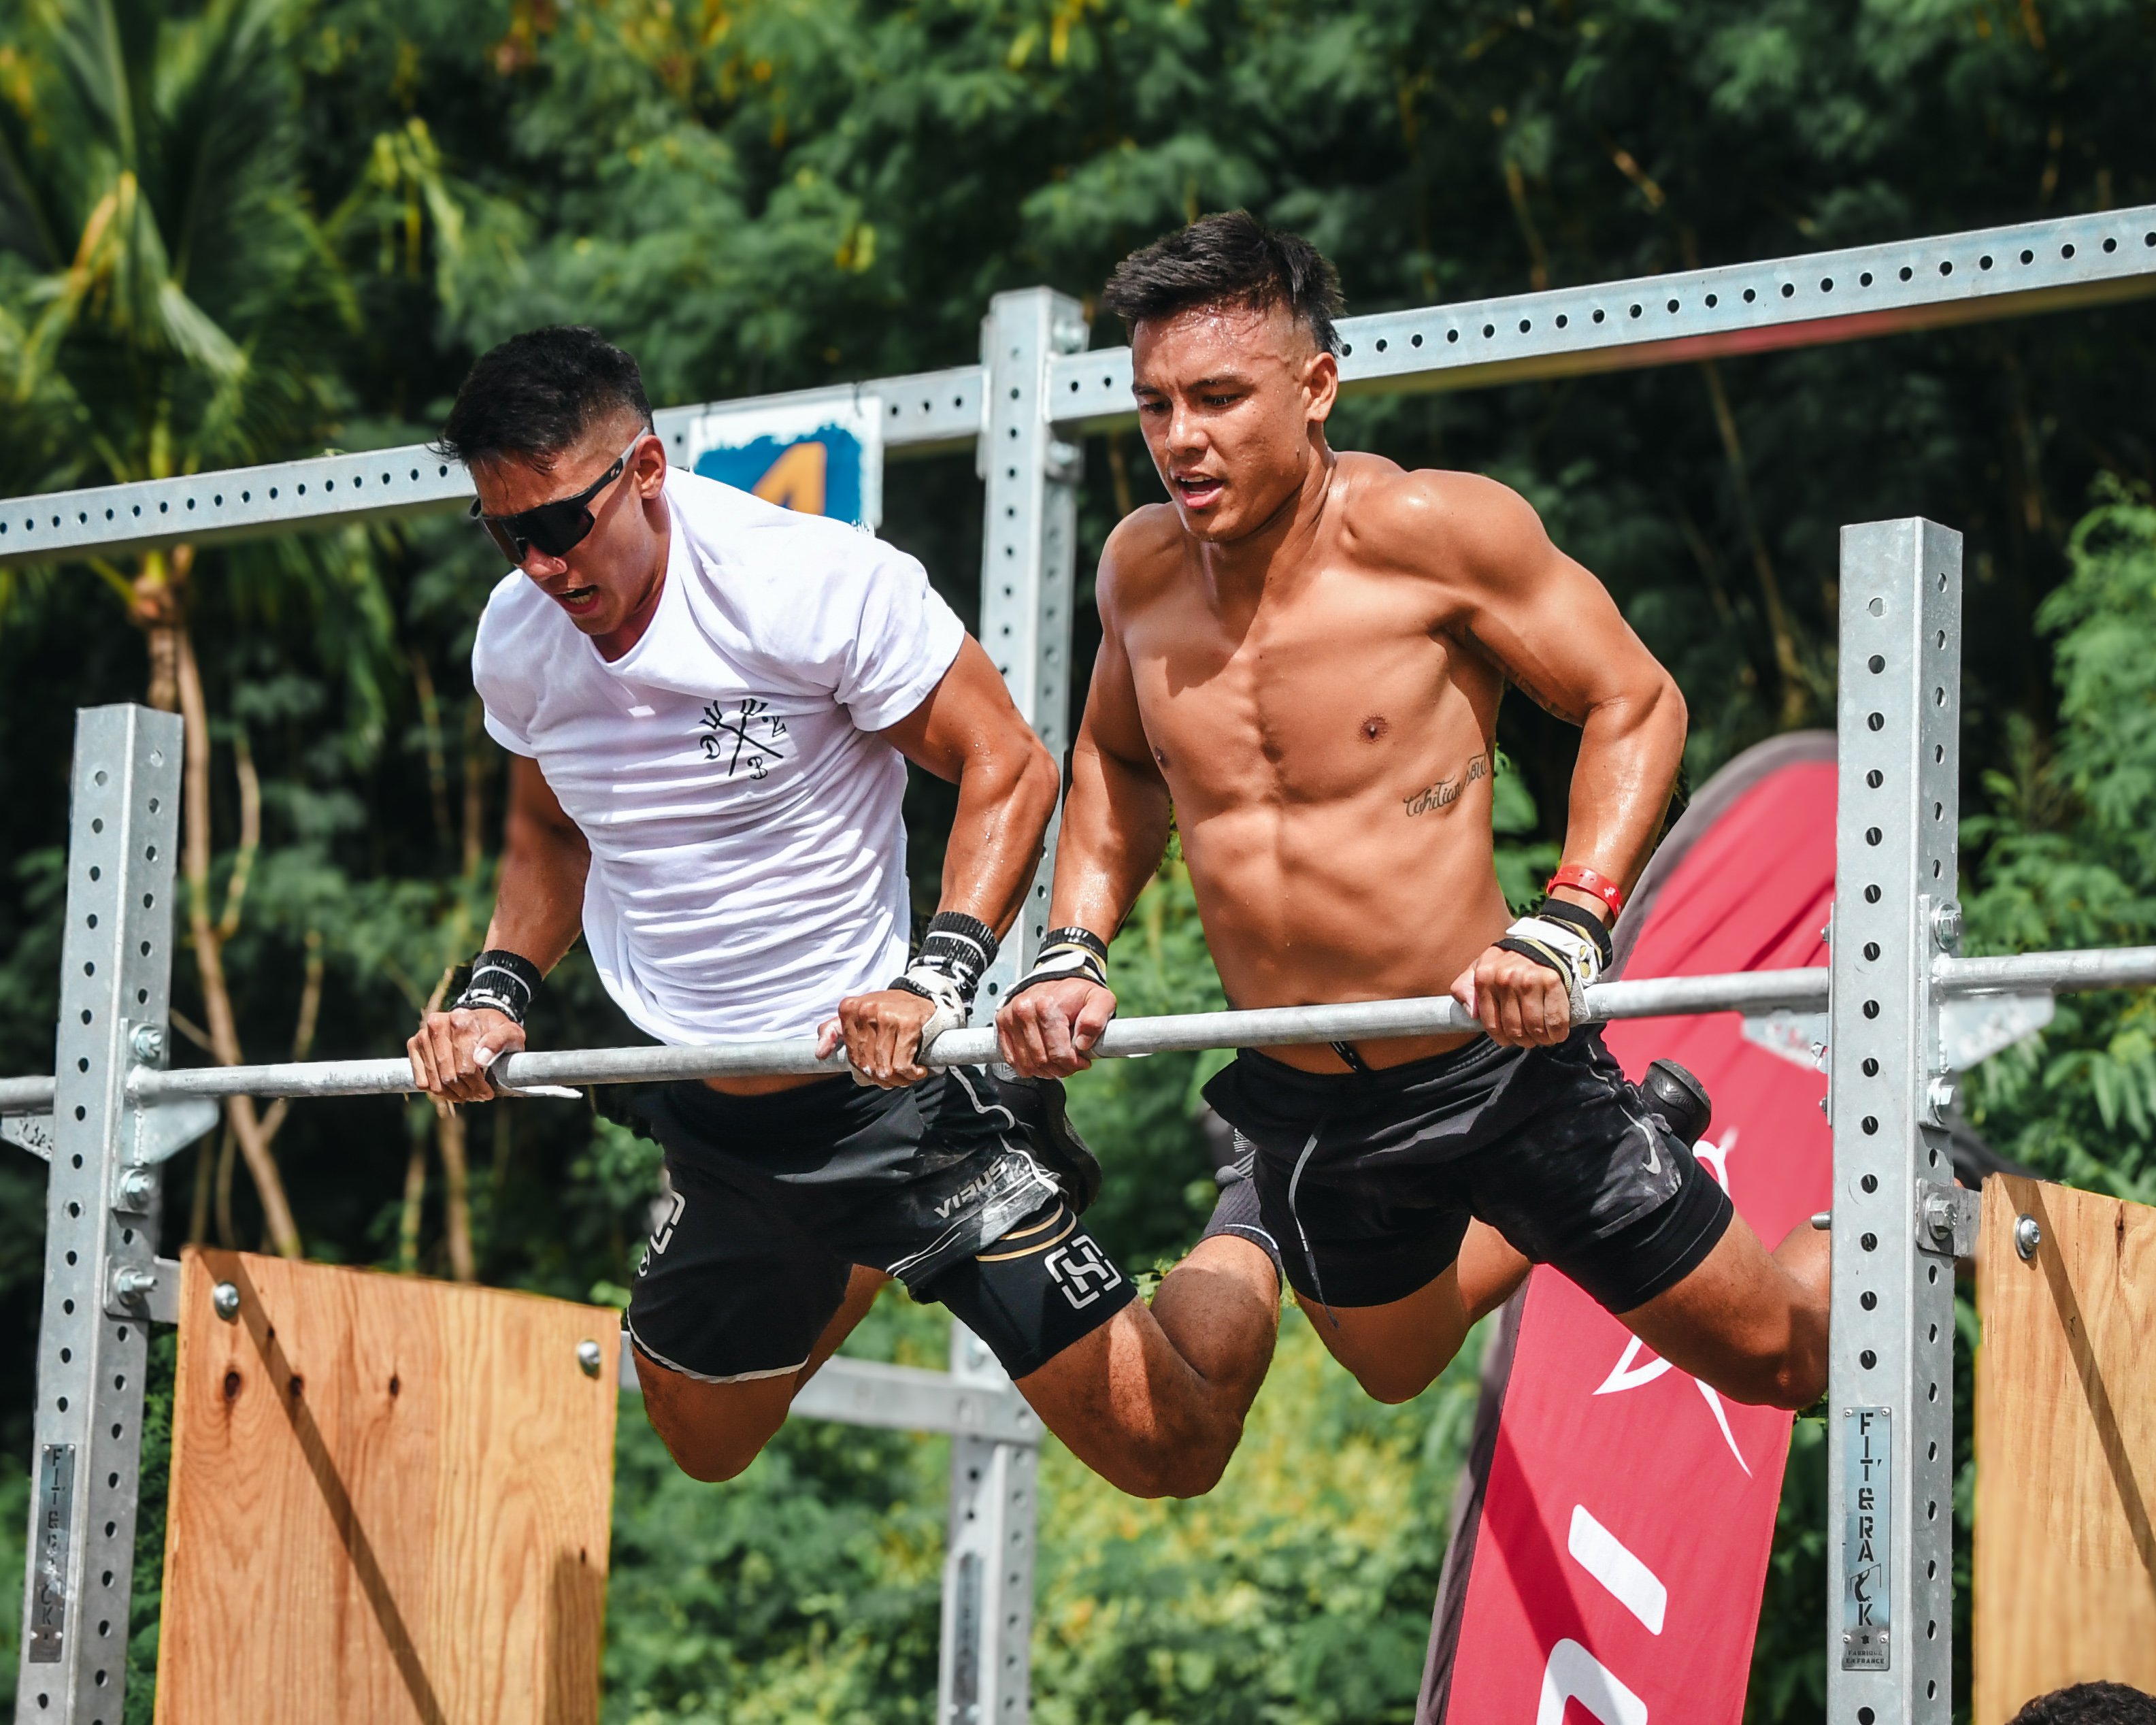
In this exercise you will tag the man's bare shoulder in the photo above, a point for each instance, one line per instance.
(1143, 553)
(1434, 523)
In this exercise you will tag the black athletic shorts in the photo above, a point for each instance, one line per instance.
(1368, 1179)
(951, 1185)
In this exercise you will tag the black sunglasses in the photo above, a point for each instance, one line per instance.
(556, 528)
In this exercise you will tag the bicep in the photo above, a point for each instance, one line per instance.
(1113, 726)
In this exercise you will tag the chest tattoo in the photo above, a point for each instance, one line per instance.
(1446, 791)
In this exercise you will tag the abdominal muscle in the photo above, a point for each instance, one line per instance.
(1371, 898)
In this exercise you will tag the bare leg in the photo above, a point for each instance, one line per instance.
(1490, 1271)
(1751, 1324)
(1396, 1350)
(714, 1430)
(1153, 1401)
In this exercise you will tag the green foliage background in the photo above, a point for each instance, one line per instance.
(287, 224)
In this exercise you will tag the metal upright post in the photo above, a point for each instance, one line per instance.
(1029, 547)
(1897, 1218)
(1028, 562)
(987, 1666)
(101, 1218)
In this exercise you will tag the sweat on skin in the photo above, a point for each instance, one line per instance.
(1303, 654)
(1152, 1398)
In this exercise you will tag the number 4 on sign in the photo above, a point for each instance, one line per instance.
(796, 479)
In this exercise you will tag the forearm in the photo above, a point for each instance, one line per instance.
(1006, 798)
(1115, 828)
(1629, 750)
(538, 911)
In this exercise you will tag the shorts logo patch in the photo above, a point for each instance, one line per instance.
(663, 1236)
(1004, 1173)
(1080, 1270)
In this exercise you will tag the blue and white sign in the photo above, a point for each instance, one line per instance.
(820, 459)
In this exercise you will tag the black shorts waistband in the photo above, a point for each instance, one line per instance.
(824, 1099)
(1469, 1057)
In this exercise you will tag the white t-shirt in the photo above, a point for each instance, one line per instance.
(748, 854)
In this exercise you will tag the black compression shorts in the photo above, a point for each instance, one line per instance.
(951, 1184)
(1369, 1179)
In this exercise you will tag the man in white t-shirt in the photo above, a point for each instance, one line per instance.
(711, 702)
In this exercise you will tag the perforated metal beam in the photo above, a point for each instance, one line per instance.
(1890, 1430)
(1803, 301)
(984, 1675)
(860, 1392)
(1029, 554)
(100, 1219)
(926, 413)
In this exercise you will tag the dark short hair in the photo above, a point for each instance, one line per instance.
(538, 392)
(2090, 1704)
(1231, 260)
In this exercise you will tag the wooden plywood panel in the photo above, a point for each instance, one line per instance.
(390, 1501)
(2065, 1446)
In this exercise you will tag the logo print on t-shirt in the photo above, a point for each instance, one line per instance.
(1076, 1267)
(732, 737)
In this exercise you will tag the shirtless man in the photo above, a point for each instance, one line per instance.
(1303, 653)
(711, 702)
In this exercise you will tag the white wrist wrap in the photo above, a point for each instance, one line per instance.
(1569, 952)
(953, 1010)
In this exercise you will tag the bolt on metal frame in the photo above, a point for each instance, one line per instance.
(115, 1114)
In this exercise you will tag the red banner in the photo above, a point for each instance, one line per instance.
(1612, 1535)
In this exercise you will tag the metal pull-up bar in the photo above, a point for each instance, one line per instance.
(1751, 992)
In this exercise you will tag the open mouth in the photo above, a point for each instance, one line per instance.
(1198, 491)
(578, 600)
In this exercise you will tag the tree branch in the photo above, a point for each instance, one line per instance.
(478, 757)
(250, 836)
(430, 727)
(1796, 699)
(209, 955)
(303, 1033)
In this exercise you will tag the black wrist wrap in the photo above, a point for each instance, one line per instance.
(1585, 921)
(956, 951)
(502, 982)
(1065, 952)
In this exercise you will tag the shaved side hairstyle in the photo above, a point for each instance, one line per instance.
(537, 394)
(1230, 261)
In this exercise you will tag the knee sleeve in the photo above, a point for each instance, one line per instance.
(1237, 1211)
(1043, 1286)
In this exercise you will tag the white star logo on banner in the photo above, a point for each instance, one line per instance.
(1629, 1374)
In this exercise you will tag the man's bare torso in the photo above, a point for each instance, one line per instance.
(1327, 738)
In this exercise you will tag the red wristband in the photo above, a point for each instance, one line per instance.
(1575, 875)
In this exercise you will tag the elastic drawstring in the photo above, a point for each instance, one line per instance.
(1309, 1257)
